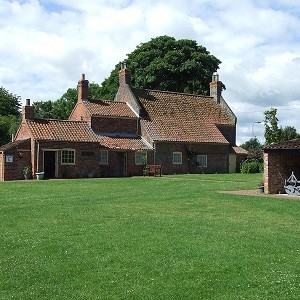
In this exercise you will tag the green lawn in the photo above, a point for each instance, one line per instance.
(173, 237)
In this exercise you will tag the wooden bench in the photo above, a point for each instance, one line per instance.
(153, 170)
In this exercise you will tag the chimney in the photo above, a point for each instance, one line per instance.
(124, 75)
(83, 89)
(27, 111)
(216, 87)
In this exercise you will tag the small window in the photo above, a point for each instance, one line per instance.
(140, 157)
(202, 161)
(68, 157)
(177, 158)
(103, 157)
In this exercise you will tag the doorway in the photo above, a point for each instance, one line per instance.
(50, 164)
(121, 164)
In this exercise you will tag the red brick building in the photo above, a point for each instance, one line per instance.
(182, 132)
(280, 160)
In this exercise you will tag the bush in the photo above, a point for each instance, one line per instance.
(252, 167)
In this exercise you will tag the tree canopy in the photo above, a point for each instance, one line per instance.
(274, 133)
(10, 104)
(253, 143)
(165, 63)
(9, 115)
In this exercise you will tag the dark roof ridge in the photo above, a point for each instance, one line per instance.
(172, 92)
(57, 120)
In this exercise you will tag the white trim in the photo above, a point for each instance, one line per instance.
(142, 153)
(61, 156)
(205, 161)
(175, 162)
(100, 158)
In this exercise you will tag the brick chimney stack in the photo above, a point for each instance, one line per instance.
(216, 87)
(27, 111)
(83, 89)
(124, 75)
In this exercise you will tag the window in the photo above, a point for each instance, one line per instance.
(140, 157)
(177, 158)
(202, 161)
(68, 157)
(103, 157)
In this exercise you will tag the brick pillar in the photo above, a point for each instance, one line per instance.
(27, 111)
(83, 89)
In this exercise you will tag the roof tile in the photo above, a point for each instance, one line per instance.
(109, 108)
(58, 130)
(182, 117)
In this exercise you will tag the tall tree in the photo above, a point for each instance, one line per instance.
(165, 63)
(253, 143)
(272, 131)
(10, 104)
(62, 107)
(289, 133)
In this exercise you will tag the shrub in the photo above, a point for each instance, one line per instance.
(251, 167)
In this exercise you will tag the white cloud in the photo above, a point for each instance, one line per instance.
(46, 45)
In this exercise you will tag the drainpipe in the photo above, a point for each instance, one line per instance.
(3, 165)
(38, 156)
(154, 152)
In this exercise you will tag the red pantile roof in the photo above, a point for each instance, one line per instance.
(239, 150)
(288, 145)
(123, 143)
(182, 117)
(58, 130)
(16, 144)
(109, 108)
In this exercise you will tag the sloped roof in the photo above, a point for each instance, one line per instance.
(182, 117)
(16, 144)
(125, 143)
(109, 108)
(58, 130)
(239, 150)
(288, 145)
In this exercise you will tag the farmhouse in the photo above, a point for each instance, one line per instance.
(280, 160)
(183, 133)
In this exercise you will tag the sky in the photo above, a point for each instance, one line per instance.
(47, 45)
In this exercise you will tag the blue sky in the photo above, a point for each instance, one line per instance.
(47, 45)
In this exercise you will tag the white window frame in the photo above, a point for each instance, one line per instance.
(65, 157)
(140, 157)
(202, 161)
(177, 158)
(103, 157)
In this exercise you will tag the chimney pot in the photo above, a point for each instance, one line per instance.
(27, 102)
(83, 76)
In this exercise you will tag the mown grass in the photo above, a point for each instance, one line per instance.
(173, 237)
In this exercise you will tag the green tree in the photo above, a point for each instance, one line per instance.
(289, 133)
(9, 103)
(253, 143)
(8, 126)
(43, 109)
(165, 63)
(273, 133)
(62, 107)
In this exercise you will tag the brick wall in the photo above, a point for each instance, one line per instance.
(21, 158)
(125, 94)
(278, 166)
(217, 158)
(80, 113)
(114, 125)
